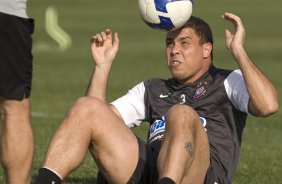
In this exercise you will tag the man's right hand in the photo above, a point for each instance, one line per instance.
(104, 48)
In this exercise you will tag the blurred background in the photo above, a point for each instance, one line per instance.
(63, 66)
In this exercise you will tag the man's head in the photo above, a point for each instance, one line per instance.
(189, 50)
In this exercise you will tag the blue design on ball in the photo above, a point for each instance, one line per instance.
(165, 24)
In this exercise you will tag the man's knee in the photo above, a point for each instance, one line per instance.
(182, 116)
(14, 106)
(85, 107)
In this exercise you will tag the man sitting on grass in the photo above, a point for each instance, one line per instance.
(197, 117)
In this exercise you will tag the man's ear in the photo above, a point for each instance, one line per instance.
(207, 49)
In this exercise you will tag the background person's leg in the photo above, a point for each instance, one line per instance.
(16, 140)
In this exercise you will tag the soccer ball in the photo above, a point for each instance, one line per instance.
(165, 15)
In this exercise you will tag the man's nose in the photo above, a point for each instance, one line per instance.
(175, 49)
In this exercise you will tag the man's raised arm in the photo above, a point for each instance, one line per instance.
(263, 96)
(104, 47)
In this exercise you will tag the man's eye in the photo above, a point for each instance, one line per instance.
(168, 43)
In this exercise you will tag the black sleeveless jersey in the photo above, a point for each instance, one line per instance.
(219, 97)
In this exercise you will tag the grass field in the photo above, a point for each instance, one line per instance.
(60, 77)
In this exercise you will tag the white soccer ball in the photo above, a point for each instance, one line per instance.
(165, 14)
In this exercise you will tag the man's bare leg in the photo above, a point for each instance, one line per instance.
(184, 156)
(16, 140)
(92, 124)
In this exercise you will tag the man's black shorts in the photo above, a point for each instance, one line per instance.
(146, 170)
(15, 56)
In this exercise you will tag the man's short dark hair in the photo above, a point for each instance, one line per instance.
(202, 30)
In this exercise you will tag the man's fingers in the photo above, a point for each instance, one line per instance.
(109, 33)
(97, 40)
(236, 21)
(103, 36)
(100, 38)
(93, 39)
(228, 33)
(116, 40)
(229, 38)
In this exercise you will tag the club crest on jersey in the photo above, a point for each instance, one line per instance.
(201, 91)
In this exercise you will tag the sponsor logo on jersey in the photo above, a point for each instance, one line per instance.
(204, 122)
(158, 127)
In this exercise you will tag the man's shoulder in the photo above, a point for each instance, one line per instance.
(158, 86)
(222, 73)
(155, 82)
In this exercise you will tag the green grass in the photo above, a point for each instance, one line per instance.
(61, 77)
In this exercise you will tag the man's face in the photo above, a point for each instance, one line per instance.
(187, 59)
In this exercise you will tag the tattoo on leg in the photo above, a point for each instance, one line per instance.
(189, 148)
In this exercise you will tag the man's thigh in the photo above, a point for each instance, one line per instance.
(114, 146)
(140, 174)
